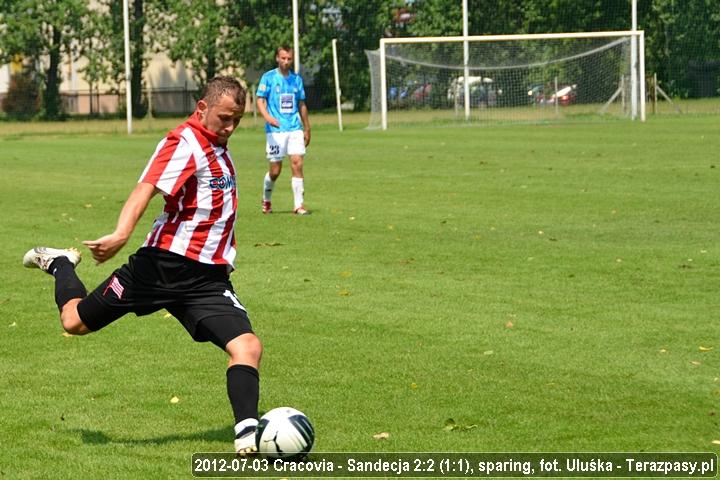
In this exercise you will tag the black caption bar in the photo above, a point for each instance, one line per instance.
(463, 465)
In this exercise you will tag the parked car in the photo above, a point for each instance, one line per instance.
(483, 91)
(410, 93)
(398, 94)
(422, 92)
(565, 95)
(536, 93)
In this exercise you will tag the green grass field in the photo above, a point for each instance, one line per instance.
(511, 288)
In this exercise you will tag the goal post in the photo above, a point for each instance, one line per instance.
(525, 77)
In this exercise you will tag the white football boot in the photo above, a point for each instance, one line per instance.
(245, 437)
(42, 257)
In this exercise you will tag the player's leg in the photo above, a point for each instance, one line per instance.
(243, 387)
(275, 148)
(274, 169)
(69, 290)
(81, 313)
(221, 319)
(296, 150)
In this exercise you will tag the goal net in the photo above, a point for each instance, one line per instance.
(507, 78)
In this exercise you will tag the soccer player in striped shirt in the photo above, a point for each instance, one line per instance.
(185, 262)
(281, 102)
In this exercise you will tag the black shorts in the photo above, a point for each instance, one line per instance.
(199, 295)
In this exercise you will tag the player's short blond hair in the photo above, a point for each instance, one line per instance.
(222, 86)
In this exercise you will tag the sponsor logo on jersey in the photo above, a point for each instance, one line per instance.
(226, 182)
(287, 103)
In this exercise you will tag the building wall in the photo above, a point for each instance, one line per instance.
(171, 80)
(171, 83)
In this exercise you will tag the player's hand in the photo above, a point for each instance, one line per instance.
(274, 122)
(104, 248)
(306, 134)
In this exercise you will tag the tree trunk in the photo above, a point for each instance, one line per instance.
(52, 103)
(139, 109)
(211, 68)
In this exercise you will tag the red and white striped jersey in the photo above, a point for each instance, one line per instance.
(197, 179)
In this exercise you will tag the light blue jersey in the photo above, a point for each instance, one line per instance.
(283, 95)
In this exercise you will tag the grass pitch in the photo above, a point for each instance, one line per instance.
(513, 288)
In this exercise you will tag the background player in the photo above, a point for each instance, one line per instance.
(185, 262)
(281, 101)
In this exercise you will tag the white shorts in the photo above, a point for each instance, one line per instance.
(280, 144)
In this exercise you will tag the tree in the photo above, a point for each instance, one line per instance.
(137, 57)
(42, 31)
(364, 23)
(197, 33)
(105, 45)
(684, 46)
(22, 101)
(259, 27)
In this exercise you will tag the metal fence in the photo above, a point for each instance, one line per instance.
(160, 101)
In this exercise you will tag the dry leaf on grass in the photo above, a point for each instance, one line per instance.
(451, 426)
(381, 436)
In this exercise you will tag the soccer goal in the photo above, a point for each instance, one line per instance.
(507, 78)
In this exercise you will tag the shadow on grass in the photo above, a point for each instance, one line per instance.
(94, 437)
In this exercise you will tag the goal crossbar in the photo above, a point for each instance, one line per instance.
(490, 68)
(637, 68)
(500, 38)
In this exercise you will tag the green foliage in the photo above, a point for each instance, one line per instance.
(437, 18)
(684, 45)
(105, 49)
(43, 30)
(103, 46)
(259, 27)
(22, 101)
(364, 24)
(197, 33)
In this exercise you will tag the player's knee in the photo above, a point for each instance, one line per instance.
(274, 170)
(245, 348)
(73, 325)
(252, 346)
(71, 321)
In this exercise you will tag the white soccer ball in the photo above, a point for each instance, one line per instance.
(284, 433)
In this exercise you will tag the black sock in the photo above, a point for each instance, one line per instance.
(67, 283)
(243, 387)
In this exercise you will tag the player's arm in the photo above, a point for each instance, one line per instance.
(262, 108)
(104, 248)
(305, 121)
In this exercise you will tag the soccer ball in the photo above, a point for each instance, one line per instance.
(284, 433)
